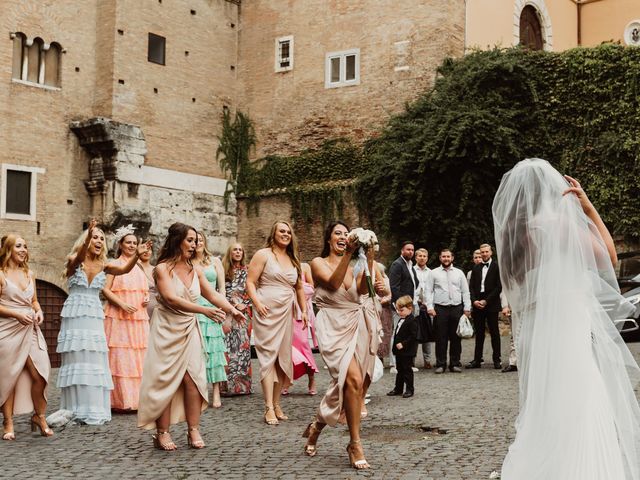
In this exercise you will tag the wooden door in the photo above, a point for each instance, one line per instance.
(51, 299)
(530, 29)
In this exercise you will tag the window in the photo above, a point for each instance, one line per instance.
(342, 68)
(18, 188)
(155, 53)
(36, 62)
(530, 29)
(284, 54)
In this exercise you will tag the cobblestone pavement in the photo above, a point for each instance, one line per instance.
(476, 408)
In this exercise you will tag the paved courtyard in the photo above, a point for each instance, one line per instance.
(475, 411)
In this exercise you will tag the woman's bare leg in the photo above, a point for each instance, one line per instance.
(38, 385)
(268, 383)
(162, 429)
(192, 407)
(352, 404)
(7, 421)
(216, 403)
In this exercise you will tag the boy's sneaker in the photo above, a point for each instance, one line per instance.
(393, 370)
(439, 370)
(414, 369)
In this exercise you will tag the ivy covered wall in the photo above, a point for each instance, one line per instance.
(432, 172)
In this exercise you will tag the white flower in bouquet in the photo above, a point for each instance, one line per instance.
(366, 238)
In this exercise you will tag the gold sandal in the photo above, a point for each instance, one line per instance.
(167, 447)
(36, 423)
(361, 464)
(270, 421)
(312, 429)
(197, 444)
(280, 415)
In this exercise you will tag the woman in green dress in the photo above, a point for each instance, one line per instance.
(212, 334)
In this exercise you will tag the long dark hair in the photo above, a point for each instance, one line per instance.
(170, 251)
(327, 236)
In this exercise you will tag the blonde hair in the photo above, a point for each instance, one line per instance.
(292, 248)
(6, 247)
(207, 256)
(404, 301)
(486, 245)
(422, 250)
(77, 246)
(227, 263)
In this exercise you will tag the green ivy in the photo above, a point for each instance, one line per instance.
(432, 172)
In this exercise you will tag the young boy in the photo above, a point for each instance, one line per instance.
(405, 347)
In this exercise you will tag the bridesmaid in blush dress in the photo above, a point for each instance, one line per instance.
(23, 379)
(346, 337)
(174, 380)
(274, 284)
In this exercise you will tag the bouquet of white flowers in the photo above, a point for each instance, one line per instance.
(366, 240)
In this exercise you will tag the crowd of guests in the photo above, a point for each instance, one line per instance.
(167, 335)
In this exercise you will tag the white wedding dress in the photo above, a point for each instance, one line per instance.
(579, 417)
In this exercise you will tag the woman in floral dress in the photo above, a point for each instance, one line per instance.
(238, 336)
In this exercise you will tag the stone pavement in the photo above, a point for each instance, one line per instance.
(476, 408)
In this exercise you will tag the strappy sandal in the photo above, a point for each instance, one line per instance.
(280, 415)
(197, 444)
(361, 464)
(311, 430)
(168, 446)
(36, 423)
(270, 421)
(8, 434)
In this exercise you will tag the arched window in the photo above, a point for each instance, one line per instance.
(530, 29)
(19, 44)
(52, 65)
(35, 61)
(35, 57)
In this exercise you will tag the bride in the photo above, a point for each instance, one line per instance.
(579, 417)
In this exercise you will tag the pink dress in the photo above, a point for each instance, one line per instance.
(301, 354)
(127, 337)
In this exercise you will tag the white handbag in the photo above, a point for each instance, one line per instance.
(465, 330)
(378, 369)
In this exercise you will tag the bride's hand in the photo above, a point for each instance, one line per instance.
(577, 190)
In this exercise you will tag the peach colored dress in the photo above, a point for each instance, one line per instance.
(175, 348)
(273, 333)
(127, 337)
(18, 342)
(344, 330)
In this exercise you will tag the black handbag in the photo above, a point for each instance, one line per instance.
(426, 331)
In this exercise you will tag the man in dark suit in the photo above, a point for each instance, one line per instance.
(403, 281)
(405, 347)
(485, 288)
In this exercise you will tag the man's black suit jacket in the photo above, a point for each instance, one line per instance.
(492, 286)
(406, 335)
(400, 279)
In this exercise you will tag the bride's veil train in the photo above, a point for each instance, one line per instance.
(579, 417)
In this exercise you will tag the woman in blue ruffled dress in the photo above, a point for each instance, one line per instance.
(84, 377)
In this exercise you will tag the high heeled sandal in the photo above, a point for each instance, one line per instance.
(170, 446)
(270, 421)
(311, 429)
(36, 423)
(197, 444)
(361, 464)
(8, 434)
(280, 415)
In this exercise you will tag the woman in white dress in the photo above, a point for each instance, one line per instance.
(579, 417)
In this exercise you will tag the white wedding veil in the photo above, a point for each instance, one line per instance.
(579, 417)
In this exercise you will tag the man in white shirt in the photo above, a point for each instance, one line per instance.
(447, 299)
(420, 298)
